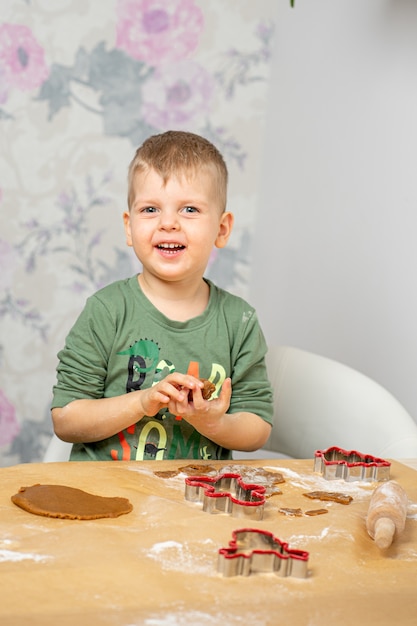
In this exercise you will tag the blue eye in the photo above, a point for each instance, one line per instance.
(190, 209)
(149, 209)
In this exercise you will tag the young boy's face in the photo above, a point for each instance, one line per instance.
(173, 227)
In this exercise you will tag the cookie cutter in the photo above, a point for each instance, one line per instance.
(226, 493)
(350, 465)
(254, 551)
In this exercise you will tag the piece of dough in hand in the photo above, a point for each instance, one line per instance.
(207, 391)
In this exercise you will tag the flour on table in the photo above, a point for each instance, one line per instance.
(315, 481)
(297, 541)
(184, 558)
(11, 555)
(185, 618)
(412, 511)
(157, 548)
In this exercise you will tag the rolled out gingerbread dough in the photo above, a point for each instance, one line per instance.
(69, 503)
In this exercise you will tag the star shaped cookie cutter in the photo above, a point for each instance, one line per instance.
(226, 493)
(350, 465)
(254, 551)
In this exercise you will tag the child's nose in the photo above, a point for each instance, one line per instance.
(169, 220)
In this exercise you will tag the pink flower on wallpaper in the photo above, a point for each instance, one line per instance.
(21, 57)
(4, 92)
(177, 96)
(155, 31)
(9, 426)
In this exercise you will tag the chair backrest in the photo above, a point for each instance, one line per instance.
(57, 450)
(319, 403)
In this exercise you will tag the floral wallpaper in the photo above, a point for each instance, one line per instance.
(82, 84)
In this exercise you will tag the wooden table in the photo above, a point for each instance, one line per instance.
(157, 565)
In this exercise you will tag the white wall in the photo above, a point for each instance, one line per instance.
(335, 252)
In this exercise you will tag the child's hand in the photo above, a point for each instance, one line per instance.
(169, 392)
(199, 410)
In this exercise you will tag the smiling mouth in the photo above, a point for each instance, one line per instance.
(170, 248)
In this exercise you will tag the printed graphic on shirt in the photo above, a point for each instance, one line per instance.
(143, 357)
(162, 436)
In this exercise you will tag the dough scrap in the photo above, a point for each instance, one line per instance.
(313, 512)
(166, 473)
(64, 502)
(197, 470)
(207, 391)
(292, 512)
(341, 498)
(275, 478)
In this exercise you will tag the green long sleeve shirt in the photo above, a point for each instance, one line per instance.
(121, 343)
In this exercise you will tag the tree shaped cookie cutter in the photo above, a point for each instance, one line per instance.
(226, 493)
(350, 465)
(254, 551)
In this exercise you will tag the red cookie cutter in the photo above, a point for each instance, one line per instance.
(350, 465)
(254, 551)
(226, 493)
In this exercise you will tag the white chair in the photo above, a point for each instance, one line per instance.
(321, 403)
(57, 450)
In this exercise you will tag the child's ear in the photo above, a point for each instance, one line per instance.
(128, 232)
(225, 229)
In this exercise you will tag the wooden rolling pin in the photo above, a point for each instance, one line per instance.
(387, 513)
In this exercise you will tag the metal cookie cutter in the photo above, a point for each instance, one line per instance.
(258, 551)
(226, 493)
(350, 465)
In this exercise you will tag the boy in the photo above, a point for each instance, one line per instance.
(128, 379)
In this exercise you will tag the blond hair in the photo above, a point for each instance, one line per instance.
(176, 153)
